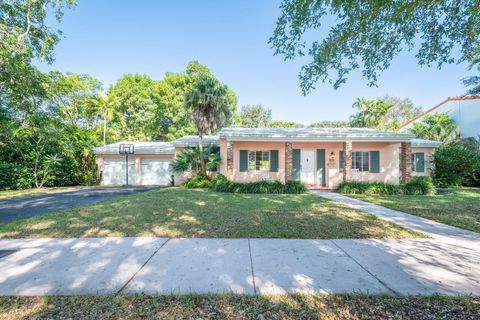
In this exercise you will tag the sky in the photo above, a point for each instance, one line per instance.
(107, 39)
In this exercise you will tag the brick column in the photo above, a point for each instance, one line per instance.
(288, 161)
(229, 157)
(406, 154)
(347, 161)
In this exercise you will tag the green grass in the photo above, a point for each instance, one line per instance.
(457, 207)
(179, 212)
(35, 191)
(333, 307)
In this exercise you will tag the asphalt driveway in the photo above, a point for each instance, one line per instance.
(29, 206)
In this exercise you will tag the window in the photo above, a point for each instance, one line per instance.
(360, 161)
(258, 160)
(418, 162)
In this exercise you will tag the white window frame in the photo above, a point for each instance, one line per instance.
(263, 153)
(363, 161)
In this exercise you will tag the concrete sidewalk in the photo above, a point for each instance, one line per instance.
(261, 266)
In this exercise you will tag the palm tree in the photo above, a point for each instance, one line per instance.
(104, 106)
(208, 102)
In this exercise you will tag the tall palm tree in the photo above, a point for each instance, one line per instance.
(104, 106)
(209, 105)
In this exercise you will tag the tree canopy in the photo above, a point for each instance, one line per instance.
(368, 34)
(438, 127)
(254, 116)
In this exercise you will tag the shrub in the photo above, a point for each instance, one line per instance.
(8, 176)
(197, 181)
(221, 184)
(453, 163)
(420, 185)
(356, 187)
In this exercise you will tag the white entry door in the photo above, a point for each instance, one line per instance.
(156, 171)
(114, 171)
(307, 162)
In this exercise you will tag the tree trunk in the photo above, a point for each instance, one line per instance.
(203, 169)
(104, 131)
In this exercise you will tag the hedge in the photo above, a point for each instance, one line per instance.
(221, 184)
(418, 186)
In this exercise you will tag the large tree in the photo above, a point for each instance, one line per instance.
(385, 113)
(24, 36)
(210, 108)
(368, 34)
(254, 116)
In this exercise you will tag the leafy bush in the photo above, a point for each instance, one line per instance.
(453, 164)
(8, 176)
(356, 187)
(420, 185)
(221, 184)
(197, 181)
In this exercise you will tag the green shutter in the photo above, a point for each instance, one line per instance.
(296, 164)
(420, 162)
(341, 160)
(243, 160)
(321, 179)
(375, 161)
(274, 160)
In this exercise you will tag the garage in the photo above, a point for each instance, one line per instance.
(148, 163)
(156, 171)
(114, 171)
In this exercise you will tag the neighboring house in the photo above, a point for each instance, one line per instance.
(464, 111)
(319, 157)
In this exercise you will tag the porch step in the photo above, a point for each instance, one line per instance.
(318, 187)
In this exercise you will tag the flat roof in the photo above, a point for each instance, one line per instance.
(192, 141)
(149, 147)
(313, 134)
(425, 143)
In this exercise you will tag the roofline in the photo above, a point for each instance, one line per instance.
(458, 98)
(323, 139)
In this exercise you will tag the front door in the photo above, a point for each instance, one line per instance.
(307, 169)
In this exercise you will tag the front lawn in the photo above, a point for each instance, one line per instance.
(179, 212)
(332, 307)
(457, 207)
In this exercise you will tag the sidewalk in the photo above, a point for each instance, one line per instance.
(254, 266)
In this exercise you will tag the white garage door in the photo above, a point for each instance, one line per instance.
(156, 171)
(114, 171)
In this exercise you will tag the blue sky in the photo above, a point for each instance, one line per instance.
(107, 39)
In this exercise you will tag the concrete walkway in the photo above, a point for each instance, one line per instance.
(255, 266)
(429, 227)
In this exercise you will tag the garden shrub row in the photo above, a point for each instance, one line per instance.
(418, 186)
(221, 184)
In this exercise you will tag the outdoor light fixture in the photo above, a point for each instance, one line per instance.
(126, 149)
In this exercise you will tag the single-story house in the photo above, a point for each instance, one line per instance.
(317, 157)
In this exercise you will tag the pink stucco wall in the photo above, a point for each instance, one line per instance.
(428, 158)
(389, 160)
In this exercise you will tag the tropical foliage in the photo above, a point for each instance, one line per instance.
(456, 164)
(368, 35)
(418, 186)
(211, 108)
(221, 184)
(438, 127)
(189, 159)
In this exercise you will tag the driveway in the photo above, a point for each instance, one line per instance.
(29, 206)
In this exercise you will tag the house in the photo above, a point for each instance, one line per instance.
(464, 111)
(318, 157)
